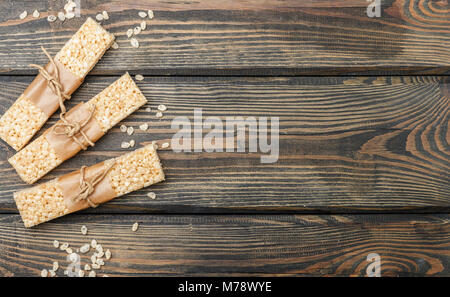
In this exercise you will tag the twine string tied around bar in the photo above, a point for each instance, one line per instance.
(70, 129)
(87, 187)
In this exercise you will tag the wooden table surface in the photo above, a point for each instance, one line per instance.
(363, 105)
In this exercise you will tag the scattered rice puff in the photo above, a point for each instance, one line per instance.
(84, 230)
(150, 14)
(51, 18)
(129, 33)
(99, 248)
(23, 15)
(142, 14)
(64, 246)
(143, 127)
(85, 248)
(130, 131)
(134, 42)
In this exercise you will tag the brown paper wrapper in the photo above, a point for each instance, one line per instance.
(43, 97)
(70, 187)
(65, 146)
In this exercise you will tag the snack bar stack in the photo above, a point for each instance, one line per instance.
(89, 186)
(41, 99)
(86, 123)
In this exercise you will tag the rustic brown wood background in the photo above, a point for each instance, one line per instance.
(364, 158)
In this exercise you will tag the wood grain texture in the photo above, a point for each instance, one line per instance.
(244, 37)
(347, 144)
(351, 144)
(237, 245)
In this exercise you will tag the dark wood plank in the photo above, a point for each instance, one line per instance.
(347, 144)
(258, 245)
(251, 37)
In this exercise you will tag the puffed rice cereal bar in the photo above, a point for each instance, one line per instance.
(132, 171)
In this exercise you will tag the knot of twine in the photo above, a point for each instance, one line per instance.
(53, 81)
(87, 187)
(70, 129)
